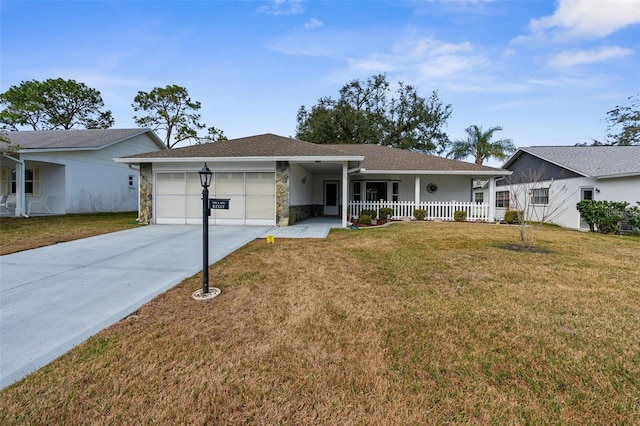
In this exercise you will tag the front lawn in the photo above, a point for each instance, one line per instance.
(19, 233)
(413, 323)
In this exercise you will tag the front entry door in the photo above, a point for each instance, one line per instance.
(585, 194)
(331, 197)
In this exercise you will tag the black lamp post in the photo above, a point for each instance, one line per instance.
(205, 181)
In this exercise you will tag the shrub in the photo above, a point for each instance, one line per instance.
(605, 216)
(419, 214)
(371, 213)
(459, 216)
(364, 219)
(385, 211)
(513, 216)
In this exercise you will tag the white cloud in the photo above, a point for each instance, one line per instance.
(585, 19)
(282, 7)
(313, 23)
(577, 57)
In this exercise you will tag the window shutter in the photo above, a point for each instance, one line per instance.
(4, 182)
(36, 181)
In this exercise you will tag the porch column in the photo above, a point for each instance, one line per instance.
(417, 191)
(492, 199)
(19, 188)
(345, 194)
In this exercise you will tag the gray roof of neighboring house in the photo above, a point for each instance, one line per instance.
(590, 161)
(273, 146)
(74, 139)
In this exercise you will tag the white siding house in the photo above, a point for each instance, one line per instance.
(571, 174)
(72, 171)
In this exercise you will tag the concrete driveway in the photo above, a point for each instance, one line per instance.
(53, 298)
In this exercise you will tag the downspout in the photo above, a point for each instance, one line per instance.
(20, 202)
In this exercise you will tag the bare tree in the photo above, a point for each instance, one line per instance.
(535, 202)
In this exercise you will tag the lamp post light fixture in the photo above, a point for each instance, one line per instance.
(205, 181)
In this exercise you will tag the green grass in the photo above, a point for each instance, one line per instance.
(18, 234)
(419, 323)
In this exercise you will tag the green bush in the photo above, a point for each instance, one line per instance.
(419, 214)
(459, 216)
(605, 216)
(372, 213)
(385, 211)
(513, 216)
(364, 219)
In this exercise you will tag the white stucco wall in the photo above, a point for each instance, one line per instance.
(301, 186)
(567, 193)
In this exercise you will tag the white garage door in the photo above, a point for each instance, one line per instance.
(252, 198)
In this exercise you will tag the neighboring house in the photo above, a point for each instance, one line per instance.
(72, 171)
(275, 180)
(569, 174)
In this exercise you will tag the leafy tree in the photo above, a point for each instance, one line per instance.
(171, 110)
(53, 104)
(364, 113)
(6, 146)
(478, 144)
(623, 123)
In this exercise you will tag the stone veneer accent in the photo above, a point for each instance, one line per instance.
(282, 193)
(298, 213)
(146, 193)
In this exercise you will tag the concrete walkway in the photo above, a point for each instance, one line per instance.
(53, 298)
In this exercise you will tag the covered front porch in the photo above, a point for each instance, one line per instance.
(344, 190)
(31, 187)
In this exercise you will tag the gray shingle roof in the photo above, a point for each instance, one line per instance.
(267, 145)
(71, 139)
(270, 145)
(378, 157)
(591, 161)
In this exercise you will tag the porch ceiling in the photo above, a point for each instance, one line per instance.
(322, 168)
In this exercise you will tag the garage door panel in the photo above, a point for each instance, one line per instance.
(194, 206)
(178, 197)
(261, 207)
(170, 183)
(236, 208)
(229, 183)
(193, 183)
(260, 184)
(170, 206)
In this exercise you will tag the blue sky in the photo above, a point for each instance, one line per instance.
(546, 71)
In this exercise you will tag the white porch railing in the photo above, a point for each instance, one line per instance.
(442, 210)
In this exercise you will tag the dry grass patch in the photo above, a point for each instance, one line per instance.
(18, 234)
(408, 324)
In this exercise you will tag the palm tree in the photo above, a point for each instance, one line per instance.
(479, 145)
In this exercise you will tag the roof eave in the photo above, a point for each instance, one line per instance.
(440, 172)
(620, 175)
(296, 159)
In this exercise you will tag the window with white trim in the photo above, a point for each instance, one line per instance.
(31, 181)
(394, 191)
(479, 197)
(540, 196)
(502, 199)
(357, 191)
